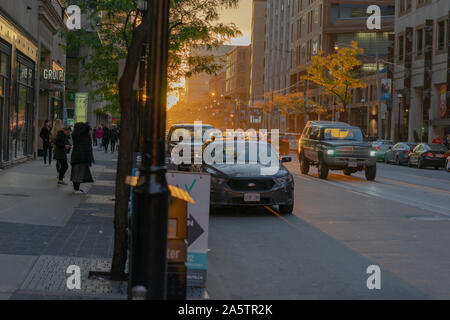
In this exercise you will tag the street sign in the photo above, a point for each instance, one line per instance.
(198, 186)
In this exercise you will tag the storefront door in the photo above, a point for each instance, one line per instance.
(22, 115)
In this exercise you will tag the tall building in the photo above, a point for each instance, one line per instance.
(327, 25)
(237, 86)
(32, 73)
(277, 56)
(422, 74)
(257, 51)
(197, 86)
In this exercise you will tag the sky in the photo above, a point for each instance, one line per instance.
(242, 17)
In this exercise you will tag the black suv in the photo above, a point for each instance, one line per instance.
(335, 146)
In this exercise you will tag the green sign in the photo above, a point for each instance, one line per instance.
(81, 105)
(71, 96)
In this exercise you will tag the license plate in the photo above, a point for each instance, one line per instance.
(352, 163)
(252, 197)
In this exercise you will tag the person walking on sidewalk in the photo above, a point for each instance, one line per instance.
(62, 148)
(114, 135)
(99, 137)
(45, 136)
(94, 138)
(56, 128)
(106, 138)
(82, 157)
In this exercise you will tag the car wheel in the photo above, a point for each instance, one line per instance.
(420, 164)
(323, 169)
(286, 209)
(386, 159)
(347, 172)
(436, 168)
(304, 165)
(397, 161)
(409, 163)
(371, 173)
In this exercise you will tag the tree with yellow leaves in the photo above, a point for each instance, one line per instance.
(337, 73)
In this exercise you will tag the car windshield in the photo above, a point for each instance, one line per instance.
(241, 152)
(438, 147)
(342, 134)
(188, 131)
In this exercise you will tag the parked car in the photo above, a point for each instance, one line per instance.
(381, 146)
(293, 140)
(175, 138)
(399, 153)
(335, 146)
(428, 155)
(283, 142)
(447, 164)
(245, 184)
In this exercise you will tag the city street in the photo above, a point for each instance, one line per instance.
(340, 226)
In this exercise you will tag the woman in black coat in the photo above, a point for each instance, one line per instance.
(62, 147)
(82, 157)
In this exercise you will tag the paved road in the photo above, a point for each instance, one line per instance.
(340, 226)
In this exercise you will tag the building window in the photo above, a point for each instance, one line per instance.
(441, 35)
(401, 6)
(401, 47)
(22, 115)
(419, 42)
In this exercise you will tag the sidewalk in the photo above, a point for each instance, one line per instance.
(44, 228)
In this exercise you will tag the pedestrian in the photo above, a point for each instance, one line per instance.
(99, 137)
(447, 141)
(62, 147)
(106, 138)
(114, 135)
(94, 138)
(45, 136)
(437, 140)
(82, 157)
(56, 128)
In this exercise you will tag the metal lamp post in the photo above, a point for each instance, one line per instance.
(151, 194)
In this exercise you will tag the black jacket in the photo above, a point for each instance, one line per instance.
(82, 146)
(61, 140)
(45, 135)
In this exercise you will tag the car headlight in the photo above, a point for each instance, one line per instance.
(216, 180)
(284, 180)
(331, 152)
(373, 153)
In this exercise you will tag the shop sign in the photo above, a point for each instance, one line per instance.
(55, 75)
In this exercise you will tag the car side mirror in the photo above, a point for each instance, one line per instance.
(286, 159)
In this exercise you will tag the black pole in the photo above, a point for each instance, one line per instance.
(151, 195)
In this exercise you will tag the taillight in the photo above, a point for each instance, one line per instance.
(428, 154)
(285, 140)
(405, 151)
(269, 140)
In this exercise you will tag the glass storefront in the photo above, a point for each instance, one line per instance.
(5, 62)
(22, 117)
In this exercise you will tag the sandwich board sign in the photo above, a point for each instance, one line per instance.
(198, 186)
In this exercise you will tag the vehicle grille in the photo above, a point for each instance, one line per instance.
(243, 185)
(352, 151)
